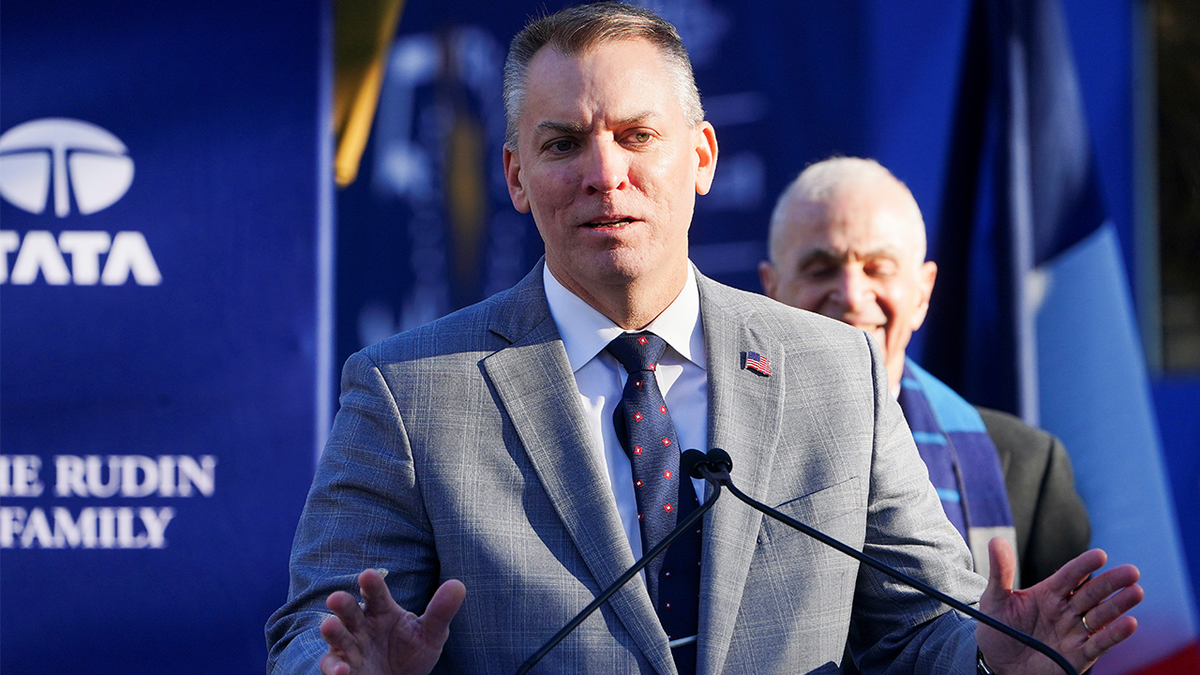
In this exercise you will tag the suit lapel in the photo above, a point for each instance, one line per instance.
(743, 407)
(533, 380)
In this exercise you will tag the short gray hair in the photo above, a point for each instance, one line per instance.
(574, 30)
(820, 182)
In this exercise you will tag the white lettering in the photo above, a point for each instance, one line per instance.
(130, 253)
(106, 519)
(19, 476)
(156, 524)
(70, 476)
(104, 528)
(127, 251)
(125, 538)
(126, 475)
(85, 249)
(75, 533)
(11, 521)
(166, 476)
(39, 252)
(131, 467)
(9, 241)
(95, 476)
(201, 475)
(37, 528)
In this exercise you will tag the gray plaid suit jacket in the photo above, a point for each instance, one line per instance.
(460, 451)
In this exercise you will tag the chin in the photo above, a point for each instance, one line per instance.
(623, 264)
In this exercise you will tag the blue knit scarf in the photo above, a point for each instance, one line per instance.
(962, 460)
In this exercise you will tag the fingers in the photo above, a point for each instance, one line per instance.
(1101, 604)
(365, 632)
(1096, 590)
(340, 641)
(1112, 635)
(443, 606)
(346, 608)
(377, 600)
(1002, 567)
(332, 665)
(1070, 576)
(1105, 612)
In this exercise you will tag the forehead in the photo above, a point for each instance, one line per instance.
(611, 78)
(861, 224)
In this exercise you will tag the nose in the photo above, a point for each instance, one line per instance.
(607, 168)
(853, 290)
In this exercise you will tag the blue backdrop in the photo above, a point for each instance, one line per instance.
(200, 382)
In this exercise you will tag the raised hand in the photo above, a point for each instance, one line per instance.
(379, 637)
(1076, 615)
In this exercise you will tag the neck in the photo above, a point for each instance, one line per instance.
(633, 305)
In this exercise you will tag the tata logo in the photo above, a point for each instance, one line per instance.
(72, 156)
(39, 252)
(81, 160)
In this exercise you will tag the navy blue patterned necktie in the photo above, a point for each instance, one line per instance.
(647, 434)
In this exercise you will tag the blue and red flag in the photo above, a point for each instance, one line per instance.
(757, 363)
(1043, 325)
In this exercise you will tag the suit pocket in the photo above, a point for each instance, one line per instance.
(838, 510)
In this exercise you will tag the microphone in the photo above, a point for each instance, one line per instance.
(689, 463)
(716, 470)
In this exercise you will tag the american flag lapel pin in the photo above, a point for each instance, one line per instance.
(759, 364)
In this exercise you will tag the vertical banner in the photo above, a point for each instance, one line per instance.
(1043, 324)
(163, 208)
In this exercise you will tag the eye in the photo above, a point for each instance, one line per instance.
(639, 137)
(820, 271)
(881, 268)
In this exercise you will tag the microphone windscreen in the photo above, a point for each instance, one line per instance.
(719, 458)
(690, 461)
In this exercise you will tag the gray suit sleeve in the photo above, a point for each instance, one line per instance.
(908, 530)
(1050, 518)
(362, 511)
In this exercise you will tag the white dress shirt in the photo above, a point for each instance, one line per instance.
(681, 378)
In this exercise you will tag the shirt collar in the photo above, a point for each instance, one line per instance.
(586, 332)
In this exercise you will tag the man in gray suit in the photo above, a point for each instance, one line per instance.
(477, 473)
(847, 240)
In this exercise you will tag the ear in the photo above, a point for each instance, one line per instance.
(926, 276)
(512, 175)
(706, 150)
(769, 278)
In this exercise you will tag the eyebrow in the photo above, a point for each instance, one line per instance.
(819, 255)
(829, 255)
(560, 127)
(577, 129)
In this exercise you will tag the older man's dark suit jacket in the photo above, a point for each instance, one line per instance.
(1051, 522)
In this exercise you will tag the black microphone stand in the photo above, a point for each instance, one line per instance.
(688, 466)
(724, 464)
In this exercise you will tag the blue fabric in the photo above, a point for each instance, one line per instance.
(647, 434)
(962, 461)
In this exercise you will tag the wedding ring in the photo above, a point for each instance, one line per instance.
(1083, 618)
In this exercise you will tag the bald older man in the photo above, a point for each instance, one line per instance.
(847, 240)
